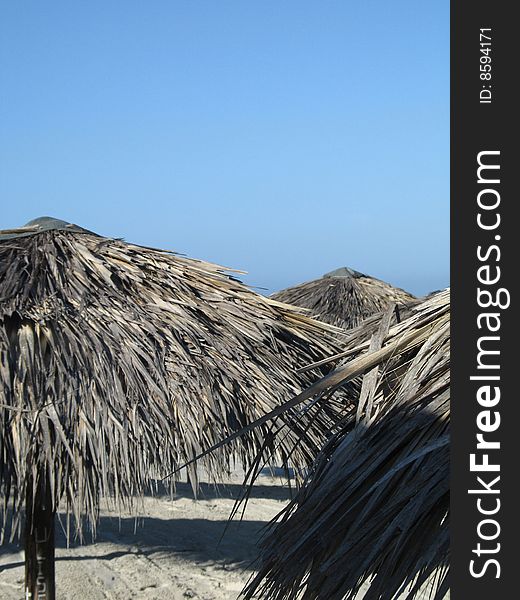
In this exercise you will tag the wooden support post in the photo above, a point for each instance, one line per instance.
(39, 542)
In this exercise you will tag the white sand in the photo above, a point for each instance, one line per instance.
(180, 549)
(176, 551)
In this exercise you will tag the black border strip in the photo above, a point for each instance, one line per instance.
(477, 127)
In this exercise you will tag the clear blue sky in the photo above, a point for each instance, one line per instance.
(285, 138)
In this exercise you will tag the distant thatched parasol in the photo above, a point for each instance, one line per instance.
(343, 297)
(375, 507)
(119, 362)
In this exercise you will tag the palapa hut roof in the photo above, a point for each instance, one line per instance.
(375, 507)
(120, 362)
(343, 297)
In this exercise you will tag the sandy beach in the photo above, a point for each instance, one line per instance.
(180, 548)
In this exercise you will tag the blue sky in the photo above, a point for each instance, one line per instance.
(283, 138)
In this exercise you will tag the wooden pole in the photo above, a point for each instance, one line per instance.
(39, 542)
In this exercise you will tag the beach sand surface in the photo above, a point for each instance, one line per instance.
(178, 548)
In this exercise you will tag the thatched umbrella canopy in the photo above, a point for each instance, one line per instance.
(344, 297)
(119, 362)
(375, 507)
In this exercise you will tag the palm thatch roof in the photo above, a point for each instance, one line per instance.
(344, 297)
(120, 362)
(375, 507)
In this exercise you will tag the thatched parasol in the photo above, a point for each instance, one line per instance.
(344, 297)
(375, 507)
(119, 362)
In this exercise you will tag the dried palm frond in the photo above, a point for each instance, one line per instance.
(120, 362)
(344, 297)
(375, 507)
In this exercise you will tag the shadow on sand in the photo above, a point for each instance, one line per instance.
(232, 491)
(198, 540)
